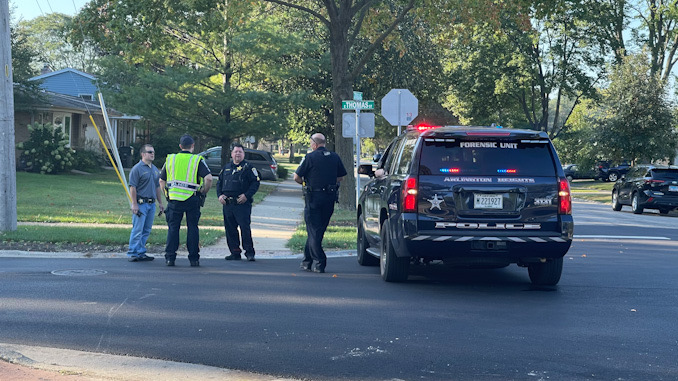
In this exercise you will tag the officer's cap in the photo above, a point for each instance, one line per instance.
(186, 141)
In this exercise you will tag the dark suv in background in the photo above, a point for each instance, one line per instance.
(611, 171)
(647, 187)
(469, 196)
(263, 161)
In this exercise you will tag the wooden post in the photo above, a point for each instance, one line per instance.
(7, 159)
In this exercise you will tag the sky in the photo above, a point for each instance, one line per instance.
(30, 9)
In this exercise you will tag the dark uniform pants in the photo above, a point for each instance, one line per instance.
(239, 215)
(317, 214)
(174, 215)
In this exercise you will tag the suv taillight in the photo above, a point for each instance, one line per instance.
(564, 197)
(409, 195)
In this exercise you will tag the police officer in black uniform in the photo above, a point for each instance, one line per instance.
(320, 172)
(237, 184)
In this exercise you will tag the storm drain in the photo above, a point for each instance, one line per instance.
(79, 272)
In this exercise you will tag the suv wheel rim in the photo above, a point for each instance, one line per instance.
(635, 202)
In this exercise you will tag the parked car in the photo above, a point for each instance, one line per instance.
(611, 171)
(572, 172)
(469, 196)
(647, 187)
(263, 161)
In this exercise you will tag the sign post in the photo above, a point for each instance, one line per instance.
(356, 105)
(399, 107)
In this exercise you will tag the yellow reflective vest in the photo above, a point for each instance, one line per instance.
(182, 175)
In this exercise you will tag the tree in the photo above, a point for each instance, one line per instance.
(214, 68)
(636, 120)
(344, 21)
(27, 93)
(48, 35)
(538, 51)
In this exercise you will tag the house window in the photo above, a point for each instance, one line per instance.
(63, 120)
(87, 97)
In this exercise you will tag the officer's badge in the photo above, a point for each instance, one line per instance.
(239, 168)
(254, 170)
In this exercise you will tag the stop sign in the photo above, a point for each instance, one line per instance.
(399, 107)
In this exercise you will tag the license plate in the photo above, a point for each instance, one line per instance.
(673, 188)
(488, 201)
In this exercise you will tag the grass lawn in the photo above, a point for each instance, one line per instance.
(340, 234)
(97, 198)
(591, 190)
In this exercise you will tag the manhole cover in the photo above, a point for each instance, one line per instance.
(79, 272)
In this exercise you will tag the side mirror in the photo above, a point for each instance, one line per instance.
(376, 157)
(366, 169)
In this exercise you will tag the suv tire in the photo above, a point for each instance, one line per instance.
(393, 268)
(616, 206)
(364, 258)
(613, 176)
(635, 204)
(547, 273)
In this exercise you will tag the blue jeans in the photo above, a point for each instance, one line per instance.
(141, 229)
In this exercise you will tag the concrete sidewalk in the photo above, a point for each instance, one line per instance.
(274, 221)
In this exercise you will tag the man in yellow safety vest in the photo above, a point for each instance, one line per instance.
(186, 179)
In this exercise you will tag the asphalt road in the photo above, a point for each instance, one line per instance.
(610, 318)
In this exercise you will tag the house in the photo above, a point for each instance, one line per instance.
(71, 98)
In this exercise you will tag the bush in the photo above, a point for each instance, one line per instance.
(45, 150)
(282, 172)
(88, 161)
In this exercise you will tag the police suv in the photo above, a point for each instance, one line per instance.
(469, 196)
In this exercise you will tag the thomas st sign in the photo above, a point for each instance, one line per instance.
(357, 105)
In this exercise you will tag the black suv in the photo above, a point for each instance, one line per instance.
(261, 160)
(610, 171)
(469, 196)
(647, 187)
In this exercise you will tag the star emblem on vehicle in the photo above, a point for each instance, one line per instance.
(435, 202)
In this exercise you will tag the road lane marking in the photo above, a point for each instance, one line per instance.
(576, 236)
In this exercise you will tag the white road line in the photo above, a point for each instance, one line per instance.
(576, 236)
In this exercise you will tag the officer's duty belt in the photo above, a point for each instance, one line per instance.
(327, 188)
(145, 200)
(230, 200)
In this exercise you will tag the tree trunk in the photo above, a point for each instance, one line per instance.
(342, 88)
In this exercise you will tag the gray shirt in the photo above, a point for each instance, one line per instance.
(145, 179)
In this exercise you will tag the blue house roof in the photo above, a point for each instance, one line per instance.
(68, 81)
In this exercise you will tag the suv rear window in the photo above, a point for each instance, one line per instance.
(483, 157)
(665, 174)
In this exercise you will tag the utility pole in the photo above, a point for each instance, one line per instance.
(7, 159)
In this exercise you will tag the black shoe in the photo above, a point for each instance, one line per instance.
(169, 262)
(233, 257)
(318, 269)
(250, 258)
(305, 267)
(145, 258)
(132, 259)
(195, 264)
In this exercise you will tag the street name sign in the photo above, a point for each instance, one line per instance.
(357, 105)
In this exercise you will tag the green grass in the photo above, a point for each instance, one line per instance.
(95, 235)
(591, 190)
(96, 198)
(341, 234)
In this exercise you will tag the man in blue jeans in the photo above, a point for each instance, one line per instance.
(145, 192)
